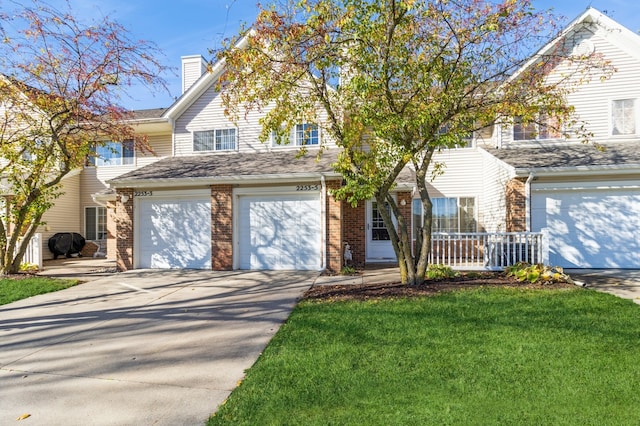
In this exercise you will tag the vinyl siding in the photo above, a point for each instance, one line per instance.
(207, 113)
(93, 178)
(64, 216)
(592, 100)
(462, 177)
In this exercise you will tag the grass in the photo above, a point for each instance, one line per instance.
(12, 290)
(477, 357)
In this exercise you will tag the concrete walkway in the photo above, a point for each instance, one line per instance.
(140, 347)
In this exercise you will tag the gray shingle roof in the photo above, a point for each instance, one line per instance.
(578, 155)
(233, 165)
(145, 114)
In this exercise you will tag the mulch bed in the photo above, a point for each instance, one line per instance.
(429, 288)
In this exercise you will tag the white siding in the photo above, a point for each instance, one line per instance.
(207, 113)
(592, 100)
(493, 209)
(64, 216)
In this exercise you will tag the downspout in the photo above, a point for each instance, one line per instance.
(527, 200)
(323, 226)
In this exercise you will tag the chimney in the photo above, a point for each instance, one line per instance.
(193, 66)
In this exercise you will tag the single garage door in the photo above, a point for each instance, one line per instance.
(589, 228)
(174, 233)
(280, 232)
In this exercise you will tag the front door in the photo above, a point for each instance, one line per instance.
(379, 246)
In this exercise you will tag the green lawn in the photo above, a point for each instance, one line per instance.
(12, 290)
(477, 357)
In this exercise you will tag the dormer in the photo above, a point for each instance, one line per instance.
(193, 66)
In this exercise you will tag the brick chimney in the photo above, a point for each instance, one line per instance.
(193, 66)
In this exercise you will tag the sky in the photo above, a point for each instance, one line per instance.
(190, 27)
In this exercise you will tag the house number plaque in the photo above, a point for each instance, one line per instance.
(307, 187)
(143, 193)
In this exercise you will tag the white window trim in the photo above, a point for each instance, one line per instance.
(457, 198)
(636, 114)
(293, 137)
(193, 140)
(96, 222)
(536, 139)
(96, 159)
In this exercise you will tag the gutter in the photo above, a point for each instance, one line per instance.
(222, 180)
(323, 220)
(581, 171)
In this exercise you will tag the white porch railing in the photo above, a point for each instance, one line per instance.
(488, 250)
(33, 254)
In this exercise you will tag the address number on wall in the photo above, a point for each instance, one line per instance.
(307, 187)
(143, 193)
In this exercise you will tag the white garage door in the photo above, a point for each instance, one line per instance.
(590, 228)
(280, 232)
(174, 233)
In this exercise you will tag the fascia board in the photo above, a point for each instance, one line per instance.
(582, 171)
(222, 180)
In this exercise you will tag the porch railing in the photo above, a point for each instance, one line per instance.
(33, 254)
(488, 250)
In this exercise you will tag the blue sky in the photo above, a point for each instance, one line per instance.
(189, 27)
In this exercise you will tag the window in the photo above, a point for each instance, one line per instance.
(623, 117)
(95, 223)
(449, 215)
(306, 134)
(546, 128)
(214, 140)
(114, 153)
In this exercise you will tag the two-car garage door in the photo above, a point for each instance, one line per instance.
(279, 231)
(589, 227)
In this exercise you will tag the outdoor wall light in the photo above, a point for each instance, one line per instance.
(124, 198)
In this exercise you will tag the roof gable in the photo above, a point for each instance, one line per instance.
(593, 21)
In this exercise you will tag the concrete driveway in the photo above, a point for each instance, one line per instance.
(141, 347)
(623, 283)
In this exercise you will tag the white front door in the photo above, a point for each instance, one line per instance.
(379, 247)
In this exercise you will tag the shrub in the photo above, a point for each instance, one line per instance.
(438, 272)
(348, 270)
(538, 272)
(28, 267)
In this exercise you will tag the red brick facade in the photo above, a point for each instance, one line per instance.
(516, 217)
(344, 224)
(123, 218)
(334, 239)
(222, 227)
(354, 232)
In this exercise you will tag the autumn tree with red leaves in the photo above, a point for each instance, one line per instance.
(398, 81)
(61, 84)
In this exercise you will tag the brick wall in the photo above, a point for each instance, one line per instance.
(111, 230)
(353, 230)
(405, 210)
(516, 206)
(334, 259)
(123, 218)
(221, 227)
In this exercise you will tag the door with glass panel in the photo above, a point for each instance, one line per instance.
(378, 247)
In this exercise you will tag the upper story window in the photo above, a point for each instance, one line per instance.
(214, 140)
(547, 127)
(301, 135)
(306, 134)
(115, 153)
(623, 117)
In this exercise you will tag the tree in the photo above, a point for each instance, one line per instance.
(398, 81)
(61, 85)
